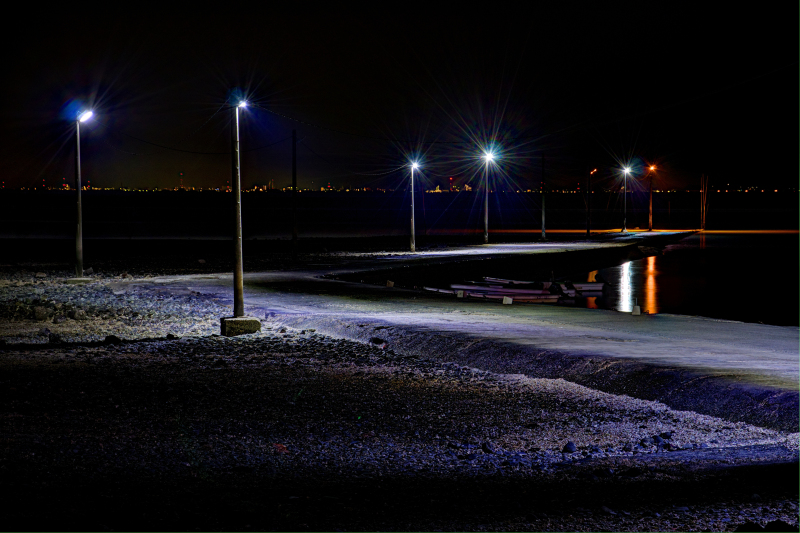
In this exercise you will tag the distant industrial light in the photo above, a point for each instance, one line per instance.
(86, 115)
(243, 103)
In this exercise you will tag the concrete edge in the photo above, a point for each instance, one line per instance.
(679, 388)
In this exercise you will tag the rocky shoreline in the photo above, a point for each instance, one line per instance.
(133, 393)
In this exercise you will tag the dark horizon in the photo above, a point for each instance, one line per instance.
(692, 92)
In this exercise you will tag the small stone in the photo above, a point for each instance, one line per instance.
(666, 435)
(647, 441)
(88, 271)
(606, 510)
(54, 338)
(112, 339)
(59, 319)
(569, 447)
(378, 342)
(171, 337)
(41, 275)
(657, 439)
(41, 313)
(627, 448)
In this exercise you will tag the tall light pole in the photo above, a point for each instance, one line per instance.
(238, 324)
(414, 166)
(625, 201)
(650, 220)
(488, 157)
(236, 178)
(589, 203)
(544, 233)
(86, 115)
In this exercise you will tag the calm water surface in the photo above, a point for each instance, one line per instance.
(751, 277)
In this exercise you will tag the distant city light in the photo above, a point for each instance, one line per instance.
(86, 115)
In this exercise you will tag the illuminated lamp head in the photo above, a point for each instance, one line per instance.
(86, 115)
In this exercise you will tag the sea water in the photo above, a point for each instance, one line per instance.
(749, 277)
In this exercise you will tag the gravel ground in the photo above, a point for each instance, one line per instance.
(126, 410)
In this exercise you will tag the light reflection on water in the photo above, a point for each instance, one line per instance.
(703, 275)
(631, 283)
(625, 288)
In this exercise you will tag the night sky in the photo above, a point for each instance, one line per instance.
(696, 92)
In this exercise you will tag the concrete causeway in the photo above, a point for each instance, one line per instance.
(738, 371)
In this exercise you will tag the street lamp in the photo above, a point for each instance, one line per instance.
(238, 324)
(414, 166)
(488, 157)
(650, 220)
(625, 201)
(83, 117)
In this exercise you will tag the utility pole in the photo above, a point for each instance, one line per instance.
(294, 191)
(543, 194)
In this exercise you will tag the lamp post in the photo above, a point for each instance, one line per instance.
(414, 166)
(625, 201)
(650, 220)
(488, 157)
(589, 203)
(238, 271)
(86, 115)
(238, 324)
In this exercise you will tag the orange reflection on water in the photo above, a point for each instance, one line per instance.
(591, 301)
(592, 276)
(650, 286)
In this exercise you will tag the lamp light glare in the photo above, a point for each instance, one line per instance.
(86, 115)
(488, 156)
(243, 103)
(652, 167)
(626, 170)
(414, 165)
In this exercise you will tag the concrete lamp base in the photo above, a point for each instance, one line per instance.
(241, 325)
